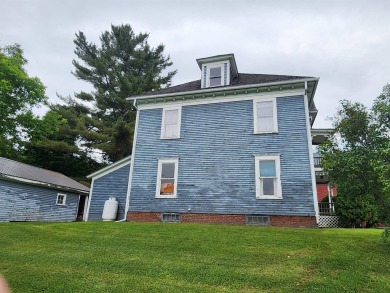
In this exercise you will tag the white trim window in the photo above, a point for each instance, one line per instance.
(167, 171)
(265, 116)
(267, 170)
(61, 199)
(171, 120)
(215, 76)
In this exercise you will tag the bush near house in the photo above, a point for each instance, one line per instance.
(155, 257)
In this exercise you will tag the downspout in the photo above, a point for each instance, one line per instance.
(131, 163)
(311, 158)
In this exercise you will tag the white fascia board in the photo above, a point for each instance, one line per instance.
(311, 157)
(89, 200)
(110, 168)
(225, 88)
(212, 59)
(43, 184)
(224, 99)
(131, 168)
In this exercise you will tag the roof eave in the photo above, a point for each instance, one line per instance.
(228, 88)
(43, 184)
(123, 161)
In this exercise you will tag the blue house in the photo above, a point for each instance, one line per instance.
(28, 193)
(110, 181)
(228, 148)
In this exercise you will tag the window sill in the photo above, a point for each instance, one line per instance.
(169, 137)
(266, 132)
(165, 196)
(269, 197)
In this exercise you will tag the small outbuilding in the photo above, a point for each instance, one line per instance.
(29, 193)
(110, 181)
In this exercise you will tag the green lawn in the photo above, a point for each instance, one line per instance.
(145, 257)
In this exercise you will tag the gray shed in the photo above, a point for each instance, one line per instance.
(111, 181)
(29, 193)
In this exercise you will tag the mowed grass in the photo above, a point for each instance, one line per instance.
(146, 257)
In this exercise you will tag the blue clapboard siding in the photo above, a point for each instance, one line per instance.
(24, 202)
(113, 184)
(216, 154)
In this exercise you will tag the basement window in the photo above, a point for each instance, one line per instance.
(170, 217)
(61, 199)
(257, 220)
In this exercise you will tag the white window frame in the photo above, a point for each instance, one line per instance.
(163, 136)
(220, 66)
(64, 201)
(214, 65)
(159, 169)
(274, 115)
(278, 187)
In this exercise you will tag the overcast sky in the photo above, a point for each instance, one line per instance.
(345, 43)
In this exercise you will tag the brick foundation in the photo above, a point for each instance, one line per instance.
(213, 219)
(280, 221)
(143, 217)
(294, 221)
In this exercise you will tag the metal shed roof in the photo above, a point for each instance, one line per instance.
(14, 170)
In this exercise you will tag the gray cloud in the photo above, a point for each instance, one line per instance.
(345, 43)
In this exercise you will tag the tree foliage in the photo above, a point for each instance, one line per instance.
(19, 93)
(358, 161)
(54, 145)
(123, 65)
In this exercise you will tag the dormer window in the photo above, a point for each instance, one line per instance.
(217, 70)
(215, 76)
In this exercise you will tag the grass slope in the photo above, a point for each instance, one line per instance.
(145, 257)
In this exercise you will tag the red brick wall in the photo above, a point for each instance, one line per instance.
(293, 221)
(213, 218)
(282, 221)
(143, 217)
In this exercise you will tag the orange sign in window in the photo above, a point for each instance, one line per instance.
(167, 188)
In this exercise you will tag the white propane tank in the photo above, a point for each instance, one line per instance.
(110, 209)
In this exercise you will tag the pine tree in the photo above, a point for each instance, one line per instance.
(124, 65)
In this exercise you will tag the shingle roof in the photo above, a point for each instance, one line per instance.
(23, 171)
(242, 79)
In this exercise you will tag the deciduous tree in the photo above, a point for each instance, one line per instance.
(19, 93)
(358, 162)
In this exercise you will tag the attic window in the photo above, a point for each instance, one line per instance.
(215, 76)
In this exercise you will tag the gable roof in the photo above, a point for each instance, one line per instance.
(17, 171)
(110, 168)
(242, 79)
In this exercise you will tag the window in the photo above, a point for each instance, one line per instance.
(170, 217)
(265, 116)
(257, 220)
(215, 76)
(268, 177)
(170, 127)
(61, 199)
(167, 178)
